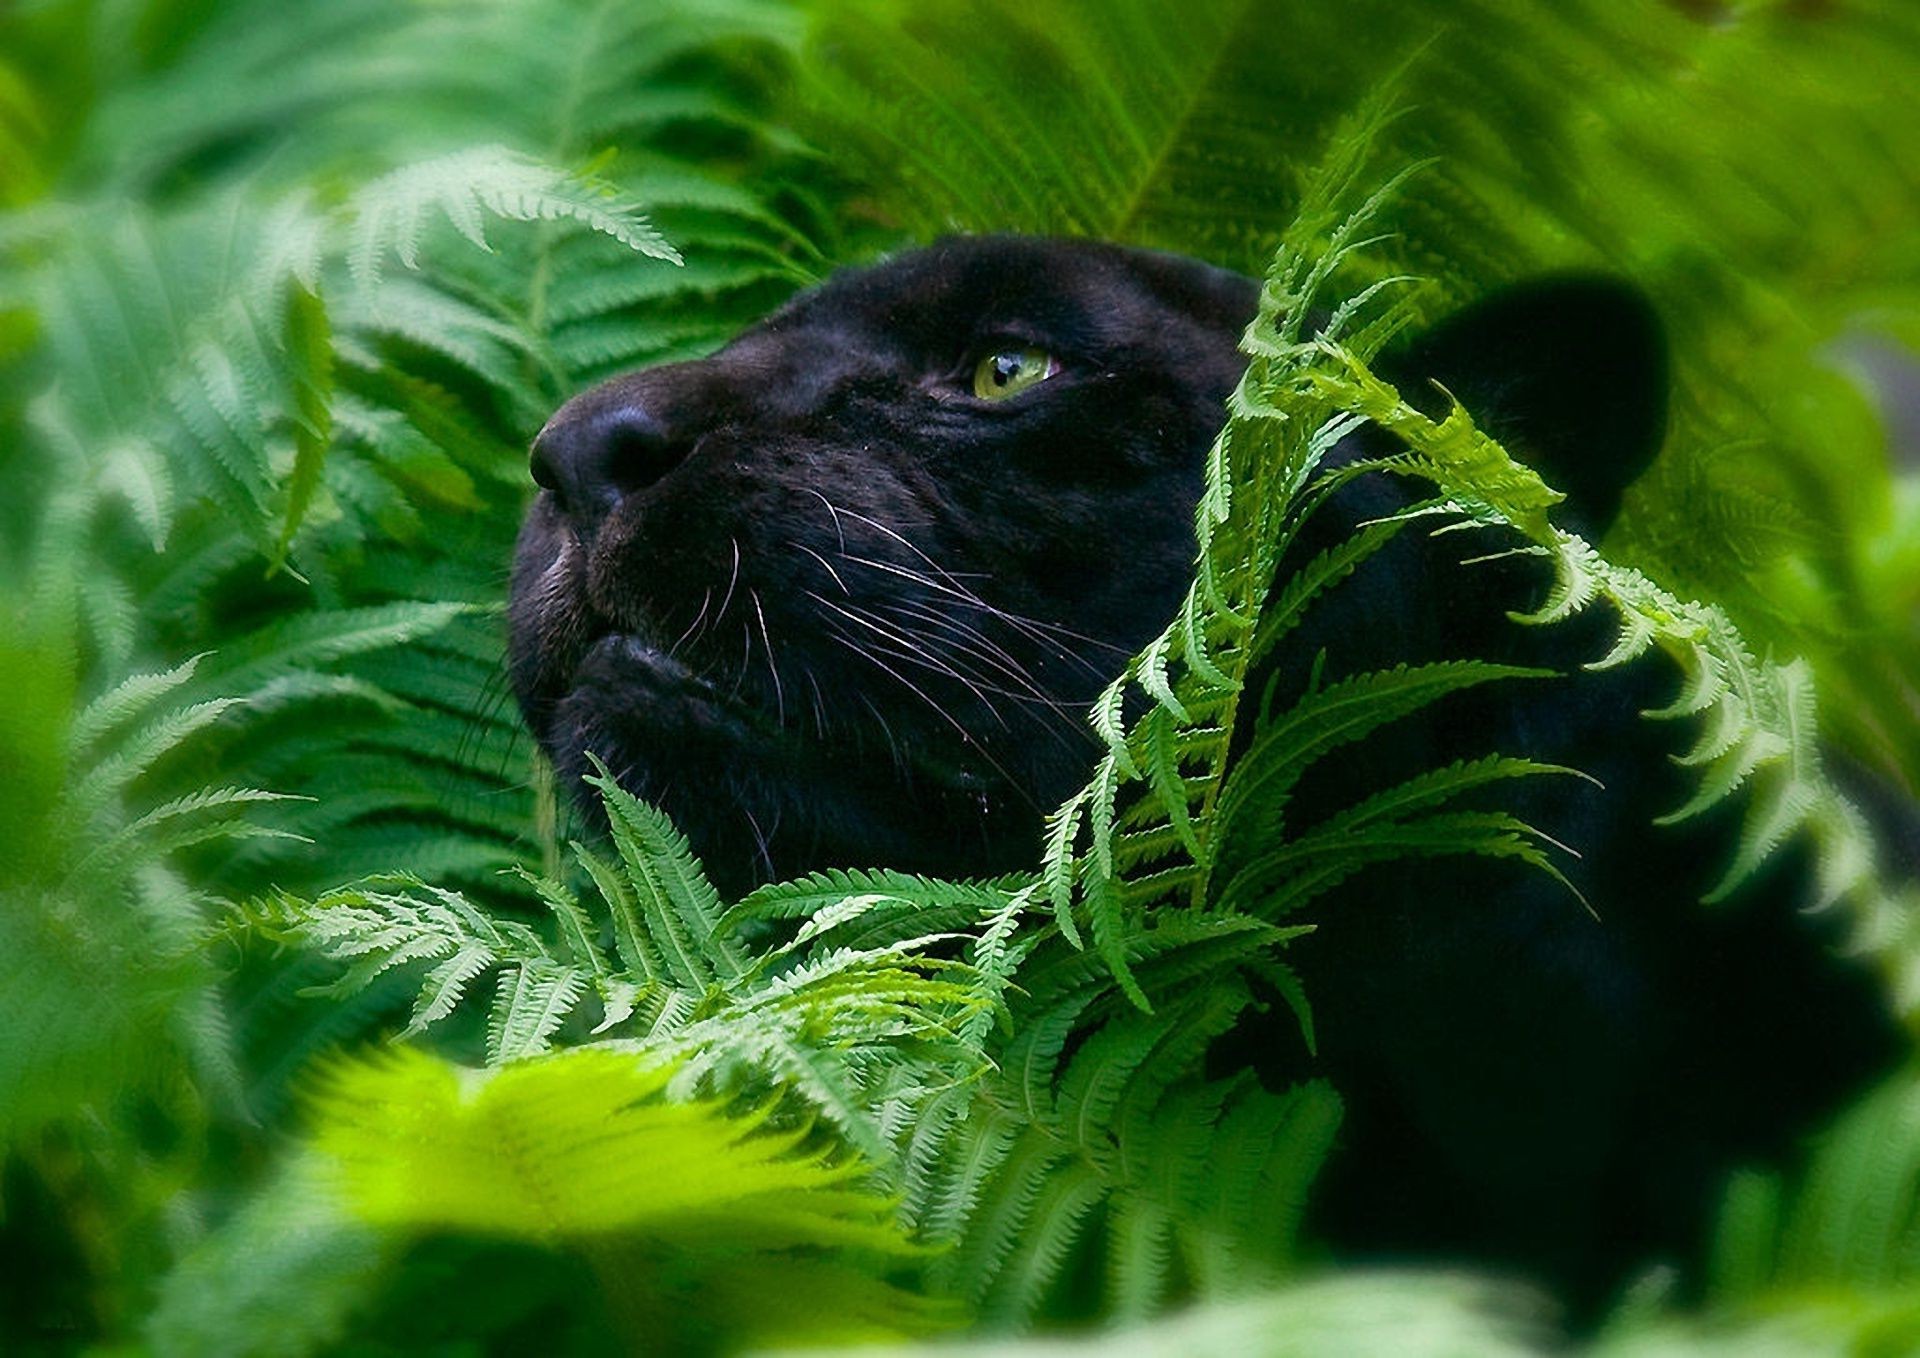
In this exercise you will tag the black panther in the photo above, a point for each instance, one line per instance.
(839, 595)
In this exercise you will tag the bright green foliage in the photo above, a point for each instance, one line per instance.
(1198, 832)
(766, 1231)
(286, 287)
(322, 358)
(987, 1126)
(577, 1144)
(1851, 1217)
(466, 187)
(221, 441)
(809, 1017)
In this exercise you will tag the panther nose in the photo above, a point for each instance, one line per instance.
(591, 459)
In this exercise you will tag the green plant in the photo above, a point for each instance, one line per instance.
(1083, 1119)
(284, 293)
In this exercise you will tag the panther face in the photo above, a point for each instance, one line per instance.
(839, 594)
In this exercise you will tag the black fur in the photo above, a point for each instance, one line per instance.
(829, 609)
(929, 588)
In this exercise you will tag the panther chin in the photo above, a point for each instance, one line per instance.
(634, 681)
(737, 782)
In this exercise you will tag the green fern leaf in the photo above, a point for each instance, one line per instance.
(126, 700)
(807, 897)
(632, 942)
(446, 985)
(1335, 715)
(390, 214)
(309, 348)
(110, 775)
(531, 1002)
(574, 1145)
(577, 932)
(680, 906)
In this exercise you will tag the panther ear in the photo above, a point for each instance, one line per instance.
(1569, 372)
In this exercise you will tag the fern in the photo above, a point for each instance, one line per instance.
(1158, 100)
(1849, 1218)
(119, 1051)
(860, 1018)
(1176, 838)
(1759, 727)
(1041, 1094)
(581, 1148)
(209, 391)
(389, 215)
(673, 986)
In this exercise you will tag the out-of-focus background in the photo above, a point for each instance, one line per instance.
(286, 287)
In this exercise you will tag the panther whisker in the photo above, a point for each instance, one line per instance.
(819, 704)
(773, 667)
(886, 733)
(1009, 781)
(969, 594)
(980, 688)
(866, 654)
(897, 537)
(959, 592)
(746, 659)
(826, 566)
(760, 837)
(732, 580)
(705, 599)
(1032, 628)
(475, 728)
(916, 651)
(959, 646)
(949, 664)
(996, 658)
(834, 512)
(978, 644)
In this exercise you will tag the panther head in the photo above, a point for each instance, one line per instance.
(839, 594)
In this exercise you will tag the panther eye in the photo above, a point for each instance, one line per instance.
(1010, 371)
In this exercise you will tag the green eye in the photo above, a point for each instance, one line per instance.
(1007, 372)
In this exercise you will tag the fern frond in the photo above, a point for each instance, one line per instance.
(109, 776)
(1852, 1217)
(1337, 714)
(390, 214)
(808, 897)
(576, 1145)
(531, 1001)
(1761, 728)
(578, 934)
(126, 700)
(681, 908)
(306, 336)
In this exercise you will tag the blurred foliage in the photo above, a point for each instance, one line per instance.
(286, 287)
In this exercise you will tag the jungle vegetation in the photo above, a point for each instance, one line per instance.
(326, 1027)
